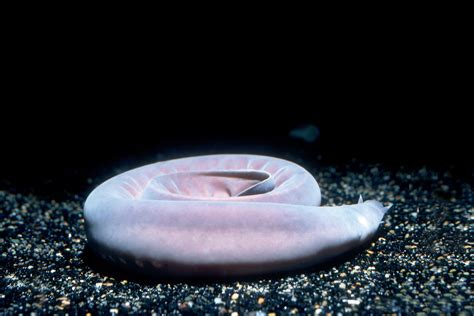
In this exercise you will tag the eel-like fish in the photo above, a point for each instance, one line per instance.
(221, 215)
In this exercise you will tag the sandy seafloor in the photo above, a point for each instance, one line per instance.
(419, 263)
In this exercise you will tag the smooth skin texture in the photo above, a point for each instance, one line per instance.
(221, 215)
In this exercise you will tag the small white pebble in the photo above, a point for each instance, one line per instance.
(342, 286)
(217, 300)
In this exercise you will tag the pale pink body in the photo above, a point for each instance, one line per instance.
(221, 215)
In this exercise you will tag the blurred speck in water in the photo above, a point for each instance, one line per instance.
(308, 133)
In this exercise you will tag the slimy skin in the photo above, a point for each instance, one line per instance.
(221, 215)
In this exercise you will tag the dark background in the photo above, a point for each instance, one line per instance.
(74, 112)
(55, 149)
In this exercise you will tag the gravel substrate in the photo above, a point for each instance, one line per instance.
(418, 263)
